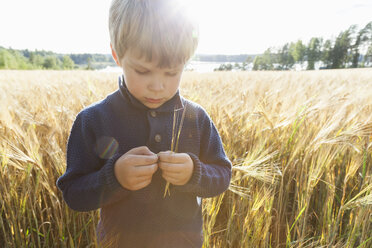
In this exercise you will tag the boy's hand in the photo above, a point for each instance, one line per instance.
(135, 168)
(177, 167)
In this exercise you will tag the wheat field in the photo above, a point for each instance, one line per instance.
(300, 143)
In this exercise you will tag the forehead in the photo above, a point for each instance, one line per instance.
(134, 59)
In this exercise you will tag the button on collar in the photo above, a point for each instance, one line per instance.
(158, 138)
(153, 113)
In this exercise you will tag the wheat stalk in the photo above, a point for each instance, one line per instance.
(176, 131)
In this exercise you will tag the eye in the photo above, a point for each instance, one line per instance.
(171, 74)
(141, 72)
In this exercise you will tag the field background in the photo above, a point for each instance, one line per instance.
(300, 143)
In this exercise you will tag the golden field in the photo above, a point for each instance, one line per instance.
(300, 143)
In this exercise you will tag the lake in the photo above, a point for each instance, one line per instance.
(198, 66)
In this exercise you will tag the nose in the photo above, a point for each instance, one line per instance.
(156, 85)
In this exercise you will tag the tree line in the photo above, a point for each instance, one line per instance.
(352, 48)
(28, 60)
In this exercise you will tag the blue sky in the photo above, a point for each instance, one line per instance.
(226, 26)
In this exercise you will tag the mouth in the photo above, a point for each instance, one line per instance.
(153, 100)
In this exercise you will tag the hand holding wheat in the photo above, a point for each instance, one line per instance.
(176, 168)
(135, 168)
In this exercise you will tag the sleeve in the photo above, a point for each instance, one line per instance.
(89, 182)
(212, 169)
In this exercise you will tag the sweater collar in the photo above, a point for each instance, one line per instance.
(169, 106)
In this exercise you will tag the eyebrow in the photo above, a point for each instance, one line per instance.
(132, 63)
(135, 64)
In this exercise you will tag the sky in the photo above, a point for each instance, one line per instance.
(226, 26)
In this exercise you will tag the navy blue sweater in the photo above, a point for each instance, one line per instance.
(105, 131)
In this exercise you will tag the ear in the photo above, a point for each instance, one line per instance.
(114, 55)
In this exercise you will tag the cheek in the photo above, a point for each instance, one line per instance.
(134, 84)
(174, 84)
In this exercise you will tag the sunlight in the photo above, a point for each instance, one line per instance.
(192, 8)
(226, 26)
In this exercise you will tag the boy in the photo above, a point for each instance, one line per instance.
(118, 156)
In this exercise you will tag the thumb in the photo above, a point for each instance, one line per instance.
(141, 150)
(165, 152)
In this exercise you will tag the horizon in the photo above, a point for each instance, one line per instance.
(42, 50)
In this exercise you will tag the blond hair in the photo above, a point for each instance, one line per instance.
(153, 28)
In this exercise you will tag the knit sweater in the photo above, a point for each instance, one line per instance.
(104, 131)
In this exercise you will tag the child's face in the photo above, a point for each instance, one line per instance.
(149, 84)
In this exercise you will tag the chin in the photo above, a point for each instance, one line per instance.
(153, 105)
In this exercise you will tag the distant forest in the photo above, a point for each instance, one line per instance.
(28, 60)
(25, 60)
(352, 48)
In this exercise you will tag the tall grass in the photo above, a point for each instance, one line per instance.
(300, 142)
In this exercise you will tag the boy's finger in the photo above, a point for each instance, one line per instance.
(141, 185)
(141, 150)
(139, 160)
(163, 155)
(170, 179)
(170, 167)
(171, 174)
(171, 157)
(145, 170)
(165, 152)
(141, 179)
